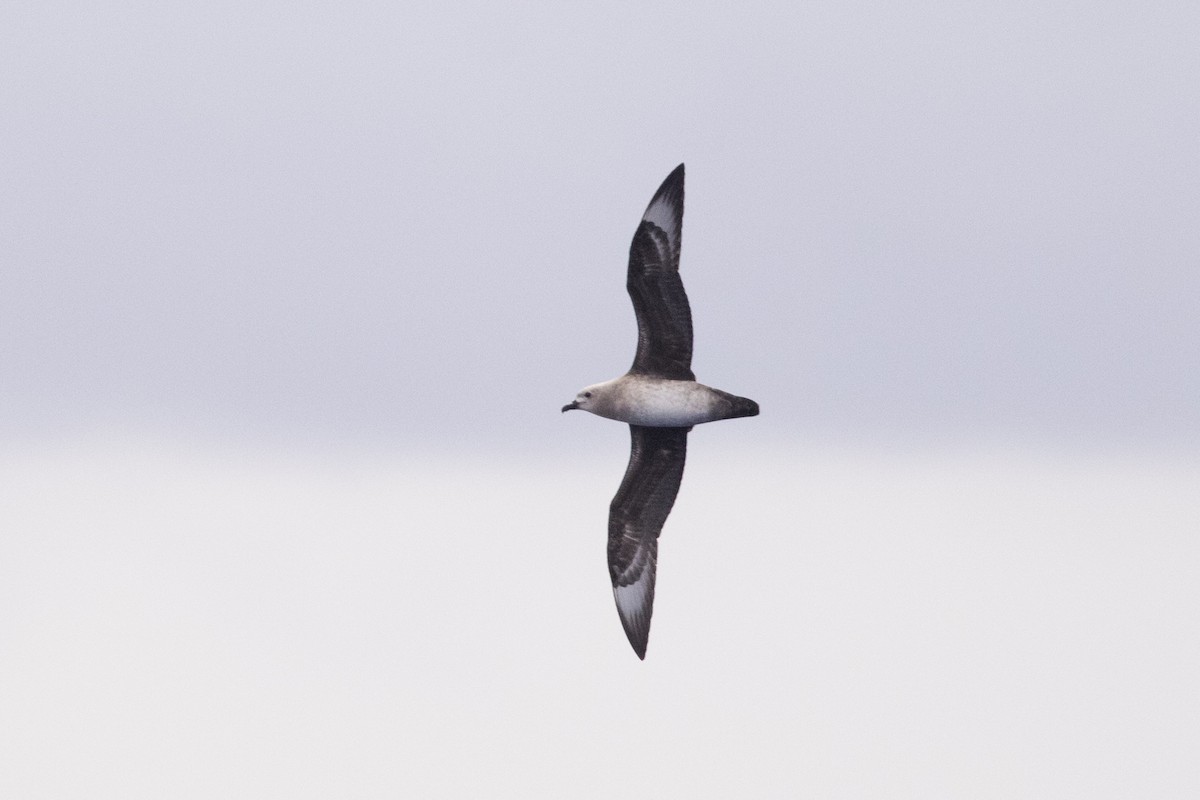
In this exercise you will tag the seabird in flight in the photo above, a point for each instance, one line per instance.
(661, 401)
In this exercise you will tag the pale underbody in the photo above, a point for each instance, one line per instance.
(655, 402)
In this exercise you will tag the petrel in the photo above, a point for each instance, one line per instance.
(661, 400)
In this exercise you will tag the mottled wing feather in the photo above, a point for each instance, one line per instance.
(635, 519)
(663, 316)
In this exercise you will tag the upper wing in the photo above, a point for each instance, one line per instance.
(635, 519)
(663, 316)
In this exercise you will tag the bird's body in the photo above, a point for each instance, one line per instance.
(661, 400)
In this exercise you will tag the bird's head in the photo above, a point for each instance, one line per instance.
(584, 401)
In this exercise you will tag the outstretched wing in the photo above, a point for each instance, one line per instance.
(663, 316)
(635, 518)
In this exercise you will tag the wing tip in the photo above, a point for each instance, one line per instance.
(640, 651)
(676, 175)
(663, 217)
(635, 607)
(671, 187)
(638, 635)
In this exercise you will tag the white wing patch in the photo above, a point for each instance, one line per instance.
(631, 599)
(663, 214)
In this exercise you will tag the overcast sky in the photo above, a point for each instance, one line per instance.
(291, 295)
(388, 222)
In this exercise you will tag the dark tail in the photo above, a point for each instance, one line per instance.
(740, 406)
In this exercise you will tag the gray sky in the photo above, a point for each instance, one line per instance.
(400, 224)
(290, 296)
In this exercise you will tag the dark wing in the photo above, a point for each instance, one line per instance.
(635, 518)
(663, 316)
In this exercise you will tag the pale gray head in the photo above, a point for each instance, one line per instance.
(586, 400)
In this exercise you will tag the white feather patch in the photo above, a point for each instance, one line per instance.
(631, 599)
(662, 213)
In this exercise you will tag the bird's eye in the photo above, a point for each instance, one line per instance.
(587, 394)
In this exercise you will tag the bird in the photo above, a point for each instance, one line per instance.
(660, 400)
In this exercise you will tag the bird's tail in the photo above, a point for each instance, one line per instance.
(740, 406)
